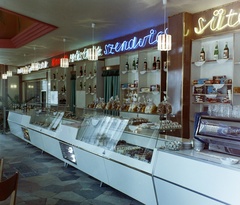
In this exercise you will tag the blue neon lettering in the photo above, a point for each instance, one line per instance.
(133, 43)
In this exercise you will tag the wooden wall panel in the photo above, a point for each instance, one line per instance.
(178, 81)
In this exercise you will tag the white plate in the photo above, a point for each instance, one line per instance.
(198, 85)
(199, 63)
(211, 96)
(229, 161)
(221, 61)
(143, 72)
(218, 86)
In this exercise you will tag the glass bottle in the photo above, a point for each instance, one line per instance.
(85, 70)
(81, 85)
(81, 71)
(134, 64)
(64, 89)
(216, 52)
(154, 65)
(137, 64)
(158, 63)
(145, 64)
(202, 55)
(226, 51)
(127, 66)
(89, 89)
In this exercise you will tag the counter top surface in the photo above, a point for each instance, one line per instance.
(215, 158)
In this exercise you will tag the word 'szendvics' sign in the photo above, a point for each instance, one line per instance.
(134, 43)
(117, 47)
(220, 20)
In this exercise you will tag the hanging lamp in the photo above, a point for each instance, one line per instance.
(64, 62)
(9, 73)
(4, 76)
(92, 53)
(26, 69)
(35, 64)
(164, 40)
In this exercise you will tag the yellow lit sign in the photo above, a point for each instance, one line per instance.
(219, 21)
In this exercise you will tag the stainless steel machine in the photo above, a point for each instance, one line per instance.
(220, 134)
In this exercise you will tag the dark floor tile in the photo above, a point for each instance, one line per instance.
(64, 202)
(44, 179)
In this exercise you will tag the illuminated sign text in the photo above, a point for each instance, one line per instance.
(219, 21)
(133, 43)
(82, 55)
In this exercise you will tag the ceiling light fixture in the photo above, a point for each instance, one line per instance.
(25, 70)
(164, 40)
(64, 62)
(4, 76)
(35, 64)
(92, 52)
(9, 73)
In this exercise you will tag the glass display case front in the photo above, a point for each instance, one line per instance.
(46, 120)
(135, 137)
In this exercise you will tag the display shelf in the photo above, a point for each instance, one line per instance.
(143, 75)
(89, 82)
(218, 61)
(60, 78)
(208, 69)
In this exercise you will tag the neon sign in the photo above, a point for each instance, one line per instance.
(82, 55)
(56, 61)
(219, 21)
(43, 65)
(133, 43)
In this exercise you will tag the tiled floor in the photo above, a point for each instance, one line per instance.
(45, 181)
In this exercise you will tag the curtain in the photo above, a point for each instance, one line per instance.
(111, 86)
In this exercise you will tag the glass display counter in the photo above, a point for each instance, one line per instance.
(46, 120)
(135, 137)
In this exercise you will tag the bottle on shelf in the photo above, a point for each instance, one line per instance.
(137, 64)
(89, 89)
(202, 55)
(226, 51)
(81, 85)
(85, 70)
(127, 66)
(81, 71)
(158, 63)
(95, 89)
(54, 76)
(134, 64)
(145, 64)
(154, 65)
(84, 84)
(94, 70)
(54, 87)
(216, 51)
(64, 89)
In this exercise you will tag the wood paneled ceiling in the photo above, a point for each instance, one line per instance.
(17, 30)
